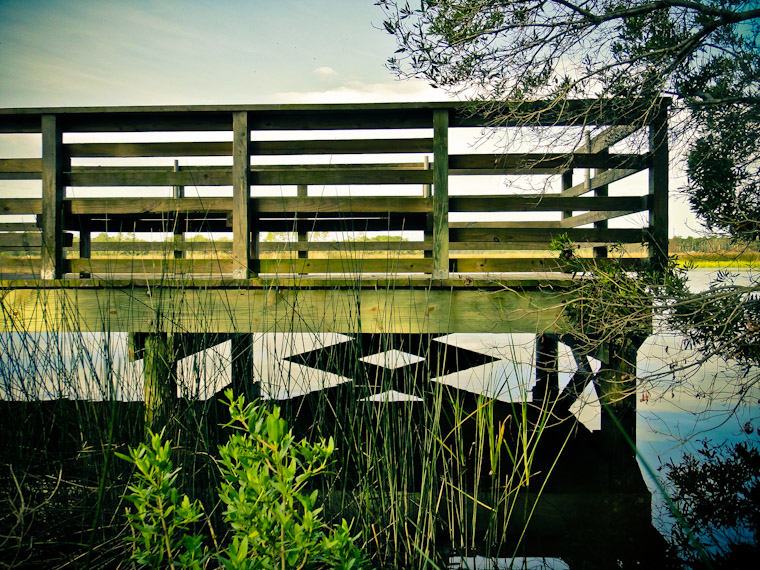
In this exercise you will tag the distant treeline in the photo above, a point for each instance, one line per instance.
(714, 244)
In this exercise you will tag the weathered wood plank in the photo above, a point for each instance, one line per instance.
(332, 116)
(603, 179)
(241, 197)
(20, 206)
(145, 265)
(53, 191)
(610, 136)
(279, 205)
(347, 310)
(146, 149)
(20, 168)
(549, 162)
(344, 265)
(545, 203)
(592, 217)
(224, 148)
(502, 225)
(269, 176)
(579, 235)
(29, 240)
(539, 264)
(19, 227)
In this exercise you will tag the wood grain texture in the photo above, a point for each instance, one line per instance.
(440, 194)
(241, 195)
(53, 192)
(349, 310)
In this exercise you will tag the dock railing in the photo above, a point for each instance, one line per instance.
(195, 191)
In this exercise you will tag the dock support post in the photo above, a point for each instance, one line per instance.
(53, 192)
(160, 377)
(241, 355)
(658, 189)
(441, 194)
(617, 393)
(547, 388)
(242, 241)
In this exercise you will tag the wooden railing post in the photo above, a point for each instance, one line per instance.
(85, 250)
(179, 235)
(658, 190)
(303, 236)
(440, 194)
(241, 197)
(567, 182)
(427, 193)
(601, 191)
(53, 192)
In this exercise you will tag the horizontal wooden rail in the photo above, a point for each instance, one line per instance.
(544, 203)
(262, 148)
(579, 235)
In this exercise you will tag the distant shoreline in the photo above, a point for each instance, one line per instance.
(719, 260)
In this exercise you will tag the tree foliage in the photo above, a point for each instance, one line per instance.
(703, 53)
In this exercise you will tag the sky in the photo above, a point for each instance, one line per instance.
(164, 52)
(61, 53)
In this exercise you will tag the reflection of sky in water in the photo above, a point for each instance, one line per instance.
(689, 401)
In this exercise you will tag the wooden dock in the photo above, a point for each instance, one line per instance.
(209, 170)
(321, 178)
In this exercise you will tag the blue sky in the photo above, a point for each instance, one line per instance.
(141, 52)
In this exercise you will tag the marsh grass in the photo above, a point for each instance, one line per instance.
(450, 472)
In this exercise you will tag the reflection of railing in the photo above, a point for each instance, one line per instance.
(437, 247)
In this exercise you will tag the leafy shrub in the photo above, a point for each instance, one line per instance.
(274, 519)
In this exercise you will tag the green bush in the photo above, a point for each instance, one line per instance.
(274, 519)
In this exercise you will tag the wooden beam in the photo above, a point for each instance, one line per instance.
(593, 217)
(260, 175)
(545, 203)
(53, 192)
(541, 235)
(440, 194)
(204, 148)
(241, 197)
(610, 136)
(607, 177)
(539, 264)
(546, 163)
(20, 206)
(20, 168)
(269, 205)
(297, 309)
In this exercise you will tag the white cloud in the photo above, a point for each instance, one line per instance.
(361, 92)
(325, 71)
